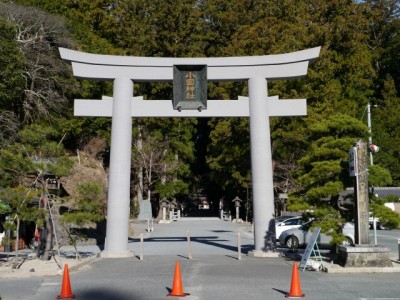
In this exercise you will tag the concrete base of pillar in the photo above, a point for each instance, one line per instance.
(258, 253)
(364, 256)
(116, 254)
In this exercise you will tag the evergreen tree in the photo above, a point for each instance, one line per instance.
(19, 208)
(324, 172)
(88, 207)
(11, 75)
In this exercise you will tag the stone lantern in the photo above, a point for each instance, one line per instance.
(164, 204)
(237, 202)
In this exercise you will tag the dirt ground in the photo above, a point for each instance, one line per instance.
(29, 265)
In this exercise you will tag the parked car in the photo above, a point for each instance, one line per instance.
(297, 237)
(282, 218)
(293, 222)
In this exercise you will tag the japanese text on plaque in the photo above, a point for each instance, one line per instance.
(190, 86)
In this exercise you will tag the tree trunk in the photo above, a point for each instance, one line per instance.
(49, 238)
(15, 264)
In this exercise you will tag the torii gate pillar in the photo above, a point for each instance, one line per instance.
(259, 107)
(120, 171)
(261, 166)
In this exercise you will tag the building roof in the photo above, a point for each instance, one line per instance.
(379, 192)
(383, 192)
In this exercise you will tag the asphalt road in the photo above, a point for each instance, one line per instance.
(214, 272)
(207, 277)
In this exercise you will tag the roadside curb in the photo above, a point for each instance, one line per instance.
(337, 269)
(82, 264)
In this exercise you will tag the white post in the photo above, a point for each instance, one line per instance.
(261, 166)
(398, 246)
(189, 244)
(120, 169)
(141, 246)
(239, 243)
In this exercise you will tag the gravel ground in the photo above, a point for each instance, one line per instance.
(30, 266)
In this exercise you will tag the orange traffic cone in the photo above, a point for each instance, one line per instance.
(177, 288)
(66, 292)
(295, 289)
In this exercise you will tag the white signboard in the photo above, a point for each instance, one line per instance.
(145, 212)
(353, 162)
(310, 246)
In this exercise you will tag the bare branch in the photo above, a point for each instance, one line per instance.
(38, 36)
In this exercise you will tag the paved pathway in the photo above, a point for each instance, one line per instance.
(207, 236)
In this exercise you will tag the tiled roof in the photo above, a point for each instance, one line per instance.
(380, 192)
(384, 192)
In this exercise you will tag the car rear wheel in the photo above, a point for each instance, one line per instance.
(292, 242)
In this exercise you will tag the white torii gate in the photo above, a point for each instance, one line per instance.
(124, 70)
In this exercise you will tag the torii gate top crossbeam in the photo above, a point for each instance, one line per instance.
(145, 69)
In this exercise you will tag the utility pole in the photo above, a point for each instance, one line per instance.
(247, 202)
(371, 159)
(140, 172)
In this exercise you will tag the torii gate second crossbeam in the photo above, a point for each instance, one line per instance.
(122, 107)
